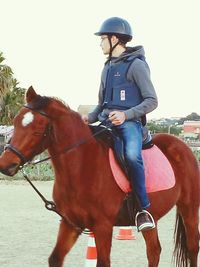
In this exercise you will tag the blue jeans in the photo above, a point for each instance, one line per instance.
(131, 134)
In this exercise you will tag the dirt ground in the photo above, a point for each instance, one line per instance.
(28, 232)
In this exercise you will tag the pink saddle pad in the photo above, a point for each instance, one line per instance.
(158, 171)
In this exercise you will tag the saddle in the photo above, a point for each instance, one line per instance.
(110, 138)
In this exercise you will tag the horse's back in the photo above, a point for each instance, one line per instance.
(178, 153)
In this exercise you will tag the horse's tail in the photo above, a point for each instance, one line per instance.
(180, 255)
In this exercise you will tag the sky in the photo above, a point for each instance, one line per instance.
(50, 44)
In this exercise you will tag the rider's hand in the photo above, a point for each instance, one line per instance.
(85, 119)
(117, 117)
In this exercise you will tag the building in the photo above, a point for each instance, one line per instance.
(191, 129)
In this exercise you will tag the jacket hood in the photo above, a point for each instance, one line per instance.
(132, 52)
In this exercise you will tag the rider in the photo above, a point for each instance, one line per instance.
(126, 95)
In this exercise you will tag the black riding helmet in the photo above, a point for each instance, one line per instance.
(118, 27)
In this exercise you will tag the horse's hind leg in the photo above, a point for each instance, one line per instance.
(67, 236)
(153, 248)
(103, 239)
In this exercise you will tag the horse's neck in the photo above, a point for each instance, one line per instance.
(69, 143)
(69, 129)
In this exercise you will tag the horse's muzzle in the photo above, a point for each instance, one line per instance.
(10, 170)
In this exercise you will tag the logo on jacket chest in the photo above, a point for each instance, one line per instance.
(117, 74)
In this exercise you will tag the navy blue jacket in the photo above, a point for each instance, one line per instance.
(119, 76)
(119, 92)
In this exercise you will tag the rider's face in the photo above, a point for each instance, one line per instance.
(105, 45)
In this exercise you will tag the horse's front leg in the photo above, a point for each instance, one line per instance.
(153, 247)
(67, 236)
(103, 239)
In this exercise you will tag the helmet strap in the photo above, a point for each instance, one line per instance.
(111, 47)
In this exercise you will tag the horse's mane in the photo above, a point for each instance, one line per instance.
(66, 107)
(41, 102)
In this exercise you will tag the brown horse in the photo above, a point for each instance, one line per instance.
(85, 192)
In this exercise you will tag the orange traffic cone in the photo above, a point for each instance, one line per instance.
(91, 255)
(125, 233)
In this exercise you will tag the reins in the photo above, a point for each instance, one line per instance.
(69, 148)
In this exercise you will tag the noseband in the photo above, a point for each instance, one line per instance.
(17, 152)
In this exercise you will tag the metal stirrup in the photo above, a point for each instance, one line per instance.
(145, 211)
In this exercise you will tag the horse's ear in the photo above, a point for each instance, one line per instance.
(30, 94)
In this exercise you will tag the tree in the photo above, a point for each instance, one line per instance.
(191, 117)
(11, 96)
(6, 77)
(12, 102)
(154, 128)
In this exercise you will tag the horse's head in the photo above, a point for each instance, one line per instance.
(31, 134)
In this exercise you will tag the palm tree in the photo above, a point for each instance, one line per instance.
(13, 100)
(11, 96)
(6, 77)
